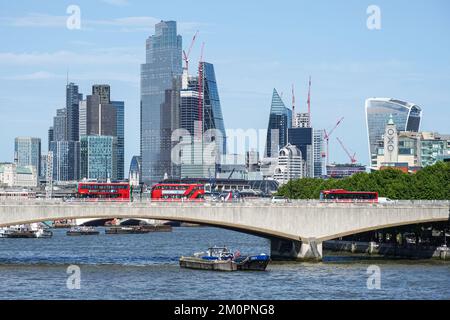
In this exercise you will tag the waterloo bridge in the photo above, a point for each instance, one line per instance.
(296, 230)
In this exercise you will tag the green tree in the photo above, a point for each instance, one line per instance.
(430, 183)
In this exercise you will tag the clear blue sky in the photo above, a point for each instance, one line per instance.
(255, 46)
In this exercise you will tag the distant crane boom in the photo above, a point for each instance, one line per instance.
(327, 137)
(186, 55)
(352, 157)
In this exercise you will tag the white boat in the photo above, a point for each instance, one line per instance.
(32, 230)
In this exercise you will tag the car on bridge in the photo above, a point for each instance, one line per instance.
(386, 200)
(280, 199)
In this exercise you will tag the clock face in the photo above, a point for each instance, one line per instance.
(391, 132)
(390, 147)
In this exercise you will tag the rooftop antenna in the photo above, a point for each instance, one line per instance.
(309, 103)
(293, 106)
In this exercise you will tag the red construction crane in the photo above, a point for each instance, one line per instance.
(200, 91)
(327, 138)
(186, 55)
(352, 157)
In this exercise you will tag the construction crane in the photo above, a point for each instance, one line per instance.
(200, 91)
(327, 138)
(352, 157)
(186, 55)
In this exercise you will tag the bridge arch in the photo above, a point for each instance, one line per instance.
(381, 227)
(305, 224)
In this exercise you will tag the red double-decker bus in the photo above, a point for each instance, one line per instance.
(178, 192)
(119, 191)
(341, 195)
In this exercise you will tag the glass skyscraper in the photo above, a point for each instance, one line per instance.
(60, 125)
(319, 153)
(406, 117)
(303, 139)
(120, 131)
(280, 120)
(192, 155)
(66, 157)
(98, 157)
(27, 152)
(73, 97)
(160, 76)
(193, 165)
(212, 111)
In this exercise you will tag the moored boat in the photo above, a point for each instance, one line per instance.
(221, 259)
(157, 227)
(82, 231)
(33, 230)
(127, 230)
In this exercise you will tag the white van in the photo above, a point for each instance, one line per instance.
(385, 200)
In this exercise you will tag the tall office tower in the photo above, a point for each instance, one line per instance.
(192, 154)
(82, 115)
(406, 117)
(169, 122)
(27, 152)
(73, 97)
(60, 125)
(302, 138)
(120, 131)
(103, 91)
(100, 117)
(43, 175)
(196, 164)
(98, 157)
(50, 137)
(66, 157)
(319, 153)
(280, 120)
(163, 64)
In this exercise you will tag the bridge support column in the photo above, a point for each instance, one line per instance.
(295, 250)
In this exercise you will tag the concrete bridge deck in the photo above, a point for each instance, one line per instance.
(296, 229)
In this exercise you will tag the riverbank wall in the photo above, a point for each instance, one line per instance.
(389, 249)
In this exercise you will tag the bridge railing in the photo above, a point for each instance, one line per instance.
(246, 202)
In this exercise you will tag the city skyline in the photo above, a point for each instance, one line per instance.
(342, 77)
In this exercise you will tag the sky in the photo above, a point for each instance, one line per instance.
(255, 46)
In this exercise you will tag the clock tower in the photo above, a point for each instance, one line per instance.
(390, 142)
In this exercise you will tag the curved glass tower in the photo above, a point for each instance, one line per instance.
(406, 116)
(212, 111)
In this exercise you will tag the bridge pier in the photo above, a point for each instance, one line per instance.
(310, 249)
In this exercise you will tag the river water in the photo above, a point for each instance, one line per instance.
(146, 267)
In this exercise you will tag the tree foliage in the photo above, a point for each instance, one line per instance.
(430, 183)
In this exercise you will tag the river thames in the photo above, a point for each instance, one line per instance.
(146, 267)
